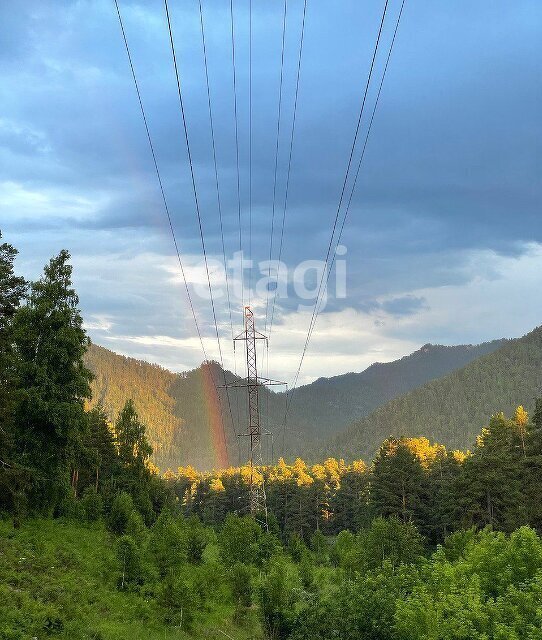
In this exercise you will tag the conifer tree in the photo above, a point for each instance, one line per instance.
(490, 489)
(52, 380)
(133, 447)
(533, 468)
(13, 480)
(443, 509)
(399, 484)
(12, 291)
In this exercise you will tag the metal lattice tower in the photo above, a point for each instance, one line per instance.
(258, 503)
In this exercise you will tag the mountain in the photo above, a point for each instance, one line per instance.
(328, 405)
(182, 411)
(187, 417)
(452, 409)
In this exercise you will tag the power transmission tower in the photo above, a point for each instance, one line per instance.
(253, 382)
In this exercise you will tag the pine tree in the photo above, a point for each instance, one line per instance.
(533, 468)
(133, 447)
(101, 463)
(349, 504)
(14, 481)
(12, 291)
(52, 380)
(444, 474)
(399, 485)
(490, 489)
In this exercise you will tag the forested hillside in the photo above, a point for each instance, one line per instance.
(452, 408)
(180, 410)
(183, 426)
(328, 405)
(422, 543)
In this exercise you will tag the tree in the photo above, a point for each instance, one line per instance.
(167, 544)
(399, 485)
(533, 468)
(101, 462)
(389, 540)
(349, 504)
(131, 566)
(490, 488)
(521, 418)
(240, 576)
(238, 539)
(537, 415)
(12, 291)
(13, 480)
(133, 447)
(119, 515)
(443, 509)
(52, 380)
(277, 598)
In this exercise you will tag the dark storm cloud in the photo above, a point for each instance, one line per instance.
(452, 165)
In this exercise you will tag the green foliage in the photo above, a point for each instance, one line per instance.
(12, 291)
(131, 566)
(240, 576)
(167, 544)
(196, 538)
(296, 547)
(120, 512)
(306, 570)
(133, 446)
(64, 579)
(399, 484)
(388, 540)
(51, 382)
(452, 408)
(238, 540)
(135, 527)
(490, 487)
(490, 590)
(343, 553)
(92, 504)
(279, 592)
(319, 545)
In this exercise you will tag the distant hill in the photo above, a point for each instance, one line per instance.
(452, 409)
(180, 410)
(183, 411)
(328, 405)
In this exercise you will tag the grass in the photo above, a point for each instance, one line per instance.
(59, 579)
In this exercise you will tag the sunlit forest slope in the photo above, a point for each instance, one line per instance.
(452, 408)
(177, 408)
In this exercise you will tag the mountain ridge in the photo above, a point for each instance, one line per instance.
(183, 426)
(450, 409)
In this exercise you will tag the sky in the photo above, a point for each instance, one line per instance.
(443, 241)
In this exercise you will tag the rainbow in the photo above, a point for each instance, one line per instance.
(214, 417)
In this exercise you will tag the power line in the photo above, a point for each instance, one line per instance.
(327, 272)
(276, 153)
(343, 189)
(234, 78)
(360, 162)
(218, 198)
(161, 185)
(196, 200)
(250, 146)
(236, 121)
(290, 152)
(217, 182)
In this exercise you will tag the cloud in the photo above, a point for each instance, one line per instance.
(449, 194)
(404, 306)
